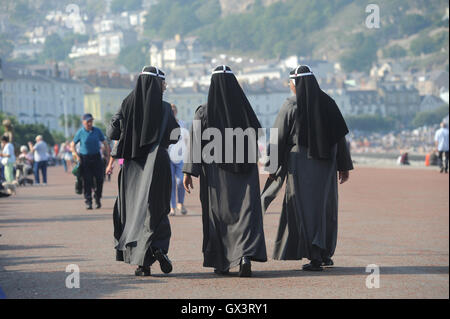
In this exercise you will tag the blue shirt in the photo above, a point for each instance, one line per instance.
(89, 140)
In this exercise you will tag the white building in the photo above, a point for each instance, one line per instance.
(84, 49)
(40, 95)
(111, 43)
(259, 74)
(176, 53)
(357, 102)
(266, 98)
(187, 100)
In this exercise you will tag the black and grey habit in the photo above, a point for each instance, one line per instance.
(311, 149)
(143, 126)
(229, 191)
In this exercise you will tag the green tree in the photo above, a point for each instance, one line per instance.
(54, 48)
(362, 55)
(424, 44)
(394, 52)
(73, 122)
(430, 117)
(371, 123)
(133, 57)
(24, 133)
(6, 46)
(208, 12)
(118, 6)
(413, 23)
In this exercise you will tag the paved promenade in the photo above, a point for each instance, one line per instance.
(395, 218)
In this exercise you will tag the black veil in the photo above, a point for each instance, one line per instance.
(228, 107)
(320, 122)
(142, 110)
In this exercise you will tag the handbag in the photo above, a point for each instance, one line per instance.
(76, 171)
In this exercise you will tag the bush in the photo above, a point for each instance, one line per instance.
(413, 23)
(427, 44)
(362, 55)
(24, 133)
(430, 117)
(117, 6)
(133, 57)
(394, 52)
(370, 123)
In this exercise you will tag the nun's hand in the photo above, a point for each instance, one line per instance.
(343, 176)
(109, 169)
(187, 182)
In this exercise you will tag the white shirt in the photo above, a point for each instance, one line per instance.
(40, 152)
(441, 137)
(9, 150)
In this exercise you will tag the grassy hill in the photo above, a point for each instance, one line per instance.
(410, 29)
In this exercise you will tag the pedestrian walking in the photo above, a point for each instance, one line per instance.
(177, 152)
(143, 126)
(40, 152)
(312, 153)
(8, 158)
(442, 146)
(91, 164)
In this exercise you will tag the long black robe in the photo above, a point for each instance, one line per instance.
(141, 210)
(231, 211)
(308, 222)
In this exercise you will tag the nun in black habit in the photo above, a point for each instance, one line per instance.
(312, 151)
(143, 126)
(229, 188)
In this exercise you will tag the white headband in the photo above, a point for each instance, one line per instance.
(296, 74)
(158, 74)
(224, 70)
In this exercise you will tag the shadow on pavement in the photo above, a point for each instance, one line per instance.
(69, 218)
(334, 271)
(22, 247)
(53, 285)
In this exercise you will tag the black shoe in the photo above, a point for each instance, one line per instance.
(221, 272)
(142, 271)
(313, 266)
(89, 206)
(164, 261)
(441, 170)
(98, 205)
(245, 268)
(327, 262)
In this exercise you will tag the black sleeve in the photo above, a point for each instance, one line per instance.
(115, 127)
(189, 166)
(174, 136)
(283, 123)
(343, 157)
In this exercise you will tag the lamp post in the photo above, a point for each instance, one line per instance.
(34, 104)
(1, 91)
(66, 128)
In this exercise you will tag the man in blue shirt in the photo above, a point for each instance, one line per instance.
(91, 163)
